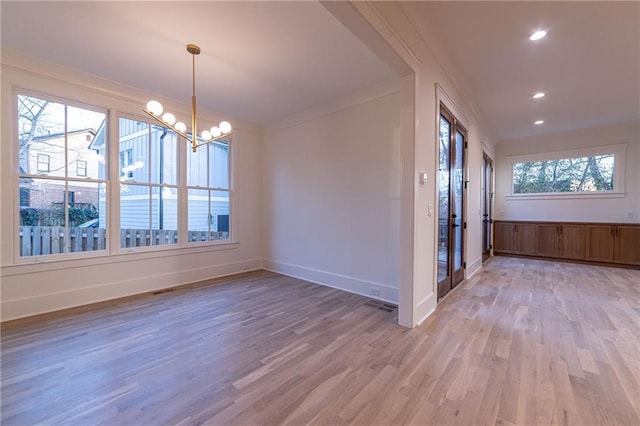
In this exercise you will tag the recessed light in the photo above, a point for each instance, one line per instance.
(537, 35)
(538, 95)
(539, 122)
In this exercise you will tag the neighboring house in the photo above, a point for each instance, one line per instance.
(45, 156)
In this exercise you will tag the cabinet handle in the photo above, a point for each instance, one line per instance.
(612, 231)
(617, 231)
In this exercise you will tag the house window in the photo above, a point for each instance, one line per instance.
(587, 171)
(149, 185)
(44, 163)
(208, 193)
(55, 205)
(81, 168)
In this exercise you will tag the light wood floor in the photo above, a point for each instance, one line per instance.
(522, 342)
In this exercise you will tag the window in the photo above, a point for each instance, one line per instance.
(574, 172)
(126, 164)
(149, 185)
(81, 168)
(60, 213)
(208, 193)
(44, 162)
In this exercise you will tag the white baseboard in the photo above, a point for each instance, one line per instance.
(474, 267)
(50, 302)
(329, 279)
(425, 308)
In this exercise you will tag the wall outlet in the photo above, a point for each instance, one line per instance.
(629, 214)
(375, 291)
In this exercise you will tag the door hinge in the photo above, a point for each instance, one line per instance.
(490, 246)
(464, 265)
(466, 144)
(464, 225)
(491, 221)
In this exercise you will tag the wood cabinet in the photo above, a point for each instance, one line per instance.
(524, 238)
(593, 242)
(600, 243)
(573, 242)
(503, 237)
(627, 244)
(548, 236)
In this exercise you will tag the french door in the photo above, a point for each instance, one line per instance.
(487, 205)
(451, 202)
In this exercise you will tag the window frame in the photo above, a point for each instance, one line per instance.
(211, 193)
(68, 179)
(113, 108)
(130, 181)
(47, 162)
(78, 168)
(617, 150)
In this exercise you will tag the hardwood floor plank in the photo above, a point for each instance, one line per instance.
(522, 342)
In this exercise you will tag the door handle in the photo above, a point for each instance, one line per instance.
(453, 225)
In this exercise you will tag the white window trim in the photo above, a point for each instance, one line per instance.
(618, 150)
(113, 252)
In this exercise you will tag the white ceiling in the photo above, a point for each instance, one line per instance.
(263, 61)
(260, 61)
(588, 64)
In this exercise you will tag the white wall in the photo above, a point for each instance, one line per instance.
(592, 209)
(431, 85)
(37, 287)
(331, 194)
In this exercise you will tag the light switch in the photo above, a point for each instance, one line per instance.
(423, 177)
(430, 209)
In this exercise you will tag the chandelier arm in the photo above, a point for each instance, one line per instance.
(219, 138)
(169, 126)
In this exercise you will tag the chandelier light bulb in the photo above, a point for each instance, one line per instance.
(215, 132)
(537, 35)
(225, 127)
(154, 107)
(181, 127)
(169, 118)
(206, 135)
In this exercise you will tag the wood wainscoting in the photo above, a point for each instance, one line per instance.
(601, 243)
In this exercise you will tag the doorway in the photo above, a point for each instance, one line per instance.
(451, 202)
(487, 206)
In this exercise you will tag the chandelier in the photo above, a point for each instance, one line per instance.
(154, 109)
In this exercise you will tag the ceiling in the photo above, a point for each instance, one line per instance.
(260, 61)
(588, 64)
(263, 61)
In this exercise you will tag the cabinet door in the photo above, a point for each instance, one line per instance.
(600, 243)
(524, 238)
(572, 242)
(503, 237)
(547, 241)
(627, 245)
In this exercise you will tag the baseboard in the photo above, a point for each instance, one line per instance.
(425, 308)
(329, 279)
(474, 267)
(50, 302)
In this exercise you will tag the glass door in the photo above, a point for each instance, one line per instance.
(487, 205)
(451, 206)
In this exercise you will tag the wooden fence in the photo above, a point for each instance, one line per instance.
(42, 240)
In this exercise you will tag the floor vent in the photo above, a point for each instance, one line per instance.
(387, 307)
(166, 290)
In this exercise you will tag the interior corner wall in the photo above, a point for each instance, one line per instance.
(572, 209)
(34, 286)
(331, 195)
(393, 24)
